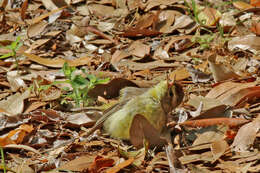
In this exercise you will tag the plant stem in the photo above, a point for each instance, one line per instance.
(3, 159)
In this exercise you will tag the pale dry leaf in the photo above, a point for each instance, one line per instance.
(206, 156)
(211, 134)
(14, 104)
(167, 18)
(57, 62)
(218, 148)
(101, 10)
(209, 16)
(221, 72)
(15, 81)
(79, 119)
(118, 56)
(227, 21)
(227, 88)
(246, 136)
(137, 48)
(79, 164)
(208, 103)
(37, 28)
(136, 66)
(23, 147)
(154, 3)
(247, 42)
(39, 43)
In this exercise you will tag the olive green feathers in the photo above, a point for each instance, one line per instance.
(154, 104)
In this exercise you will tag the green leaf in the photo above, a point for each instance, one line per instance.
(14, 44)
(7, 55)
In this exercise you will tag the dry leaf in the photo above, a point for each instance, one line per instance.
(139, 49)
(14, 104)
(36, 28)
(57, 62)
(209, 16)
(218, 148)
(120, 166)
(246, 136)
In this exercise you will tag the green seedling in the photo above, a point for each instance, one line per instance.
(193, 10)
(37, 86)
(80, 85)
(204, 40)
(14, 46)
(3, 159)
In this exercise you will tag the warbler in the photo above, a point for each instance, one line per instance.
(153, 104)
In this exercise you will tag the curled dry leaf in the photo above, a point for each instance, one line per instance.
(79, 164)
(220, 71)
(57, 62)
(111, 89)
(120, 166)
(207, 136)
(218, 148)
(36, 28)
(139, 49)
(248, 42)
(14, 104)
(79, 119)
(246, 136)
(43, 16)
(233, 94)
(209, 16)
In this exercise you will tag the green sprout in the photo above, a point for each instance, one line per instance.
(3, 159)
(80, 85)
(14, 47)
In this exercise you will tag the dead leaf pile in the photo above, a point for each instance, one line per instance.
(211, 48)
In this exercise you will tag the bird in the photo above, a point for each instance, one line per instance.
(153, 104)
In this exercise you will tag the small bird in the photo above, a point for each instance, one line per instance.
(153, 104)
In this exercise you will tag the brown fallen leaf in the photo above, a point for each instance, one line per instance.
(137, 48)
(218, 148)
(111, 89)
(33, 106)
(57, 62)
(79, 164)
(234, 94)
(36, 28)
(246, 136)
(221, 72)
(228, 88)
(100, 163)
(119, 166)
(24, 9)
(136, 32)
(232, 122)
(14, 104)
(45, 15)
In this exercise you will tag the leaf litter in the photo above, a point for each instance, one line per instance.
(210, 49)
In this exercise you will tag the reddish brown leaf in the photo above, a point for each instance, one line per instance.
(24, 9)
(100, 163)
(120, 166)
(232, 122)
(135, 32)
